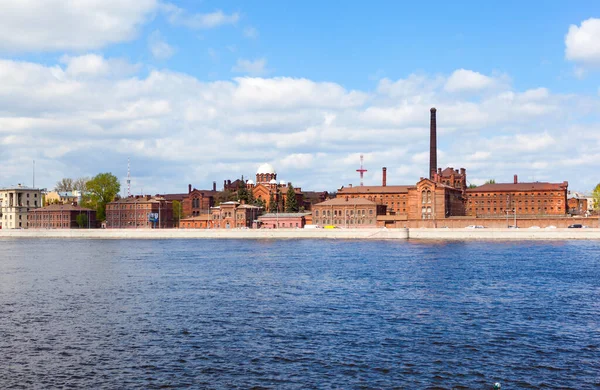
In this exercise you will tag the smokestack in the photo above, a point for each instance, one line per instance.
(516, 179)
(384, 180)
(189, 188)
(215, 186)
(432, 144)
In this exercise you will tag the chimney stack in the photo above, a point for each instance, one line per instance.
(189, 188)
(384, 180)
(516, 179)
(214, 186)
(432, 144)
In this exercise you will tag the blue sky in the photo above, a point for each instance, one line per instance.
(195, 91)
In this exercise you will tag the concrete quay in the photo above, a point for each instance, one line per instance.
(348, 234)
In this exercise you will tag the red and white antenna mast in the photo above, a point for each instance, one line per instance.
(128, 179)
(361, 170)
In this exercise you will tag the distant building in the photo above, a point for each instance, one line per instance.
(197, 222)
(229, 215)
(139, 212)
(532, 199)
(15, 205)
(282, 220)
(347, 212)
(62, 216)
(578, 203)
(61, 197)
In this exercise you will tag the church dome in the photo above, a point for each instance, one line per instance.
(265, 168)
(251, 182)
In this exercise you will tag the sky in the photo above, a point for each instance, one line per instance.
(192, 92)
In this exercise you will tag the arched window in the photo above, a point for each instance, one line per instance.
(423, 196)
(428, 196)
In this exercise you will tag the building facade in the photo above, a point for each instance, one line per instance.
(139, 212)
(15, 205)
(62, 216)
(282, 221)
(60, 197)
(230, 215)
(347, 212)
(524, 199)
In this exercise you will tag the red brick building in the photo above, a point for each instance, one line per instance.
(526, 199)
(347, 212)
(229, 215)
(139, 212)
(197, 222)
(62, 216)
(282, 221)
(578, 203)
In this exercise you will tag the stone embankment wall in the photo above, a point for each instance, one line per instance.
(351, 234)
(502, 223)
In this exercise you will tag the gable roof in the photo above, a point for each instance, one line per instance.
(374, 189)
(535, 186)
(347, 201)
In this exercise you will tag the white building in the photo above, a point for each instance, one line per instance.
(15, 204)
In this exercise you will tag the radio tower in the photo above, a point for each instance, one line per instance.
(361, 170)
(128, 179)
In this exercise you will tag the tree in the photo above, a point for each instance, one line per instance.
(80, 184)
(177, 211)
(101, 189)
(82, 220)
(64, 185)
(472, 185)
(596, 197)
(491, 181)
(272, 204)
(291, 203)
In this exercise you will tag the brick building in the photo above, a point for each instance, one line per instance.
(139, 212)
(526, 199)
(347, 212)
(282, 221)
(197, 222)
(229, 215)
(62, 216)
(578, 203)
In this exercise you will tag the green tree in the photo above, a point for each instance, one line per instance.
(291, 203)
(177, 212)
(596, 197)
(102, 189)
(472, 185)
(272, 204)
(82, 220)
(491, 181)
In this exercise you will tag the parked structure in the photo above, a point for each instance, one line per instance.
(62, 216)
(15, 205)
(139, 212)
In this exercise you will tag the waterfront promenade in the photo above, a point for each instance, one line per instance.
(358, 234)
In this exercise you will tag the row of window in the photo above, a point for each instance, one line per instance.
(339, 213)
(517, 194)
(519, 201)
(342, 222)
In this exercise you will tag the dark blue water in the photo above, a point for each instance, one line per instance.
(299, 314)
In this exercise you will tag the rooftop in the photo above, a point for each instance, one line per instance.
(535, 186)
(374, 189)
(347, 201)
(61, 207)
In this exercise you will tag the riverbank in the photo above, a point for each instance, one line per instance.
(352, 234)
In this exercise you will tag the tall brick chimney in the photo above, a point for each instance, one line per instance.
(432, 144)
(214, 186)
(384, 180)
(189, 188)
(516, 179)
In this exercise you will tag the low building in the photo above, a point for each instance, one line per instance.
(282, 221)
(62, 216)
(61, 197)
(139, 212)
(198, 222)
(16, 203)
(578, 203)
(232, 214)
(347, 212)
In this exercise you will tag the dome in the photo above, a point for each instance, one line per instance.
(282, 182)
(265, 168)
(273, 181)
(250, 182)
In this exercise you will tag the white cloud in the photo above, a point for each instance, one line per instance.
(87, 116)
(582, 44)
(255, 68)
(468, 80)
(58, 25)
(179, 17)
(251, 32)
(159, 48)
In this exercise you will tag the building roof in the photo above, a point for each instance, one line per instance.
(535, 186)
(449, 172)
(283, 215)
(61, 207)
(139, 199)
(19, 187)
(347, 201)
(265, 168)
(374, 189)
